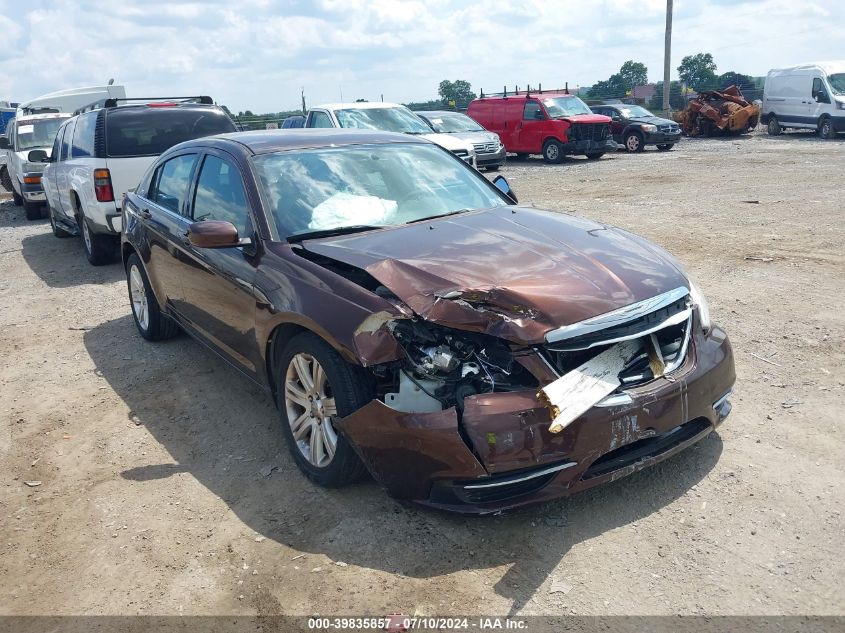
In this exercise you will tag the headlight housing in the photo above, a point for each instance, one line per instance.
(649, 128)
(701, 303)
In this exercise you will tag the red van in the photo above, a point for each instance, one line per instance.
(550, 123)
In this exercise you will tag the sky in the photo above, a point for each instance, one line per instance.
(258, 54)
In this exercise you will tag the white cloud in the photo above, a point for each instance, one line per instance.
(256, 54)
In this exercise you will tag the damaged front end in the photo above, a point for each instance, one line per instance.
(471, 422)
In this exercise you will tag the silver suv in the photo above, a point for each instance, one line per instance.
(489, 151)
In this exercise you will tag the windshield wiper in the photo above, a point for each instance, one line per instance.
(340, 230)
(439, 215)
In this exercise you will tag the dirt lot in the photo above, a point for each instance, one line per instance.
(152, 457)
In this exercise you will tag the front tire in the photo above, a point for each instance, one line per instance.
(32, 210)
(152, 324)
(773, 127)
(552, 151)
(826, 129)
(16, 198)
(665, 147)
(316, 386)
(99, 247)
(595, 155)
(634, 142)
(492, 168)
(5, 179)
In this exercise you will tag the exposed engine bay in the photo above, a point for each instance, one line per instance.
(442, 367)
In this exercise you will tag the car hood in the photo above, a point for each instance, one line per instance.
(475, 137)
(448, 141)
(653, 120)
(512, 272)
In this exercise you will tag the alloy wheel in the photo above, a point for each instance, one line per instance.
(138, 293)
(310, 407)
(632, 143)
(552, 152)
(86, 235)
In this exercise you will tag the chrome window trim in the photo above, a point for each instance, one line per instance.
(618, 317)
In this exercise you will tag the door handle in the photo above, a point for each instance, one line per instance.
(145, 213)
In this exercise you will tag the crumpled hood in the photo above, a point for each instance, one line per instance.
(512, 272)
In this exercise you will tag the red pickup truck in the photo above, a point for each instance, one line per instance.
(552, 123)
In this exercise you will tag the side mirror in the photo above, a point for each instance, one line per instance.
(37, 156)
(213, 234)
(501, 183)
(4, 143)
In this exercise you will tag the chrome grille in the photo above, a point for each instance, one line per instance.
(485, 148)
(669, 128)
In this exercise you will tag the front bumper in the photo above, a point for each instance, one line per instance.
(423, 457)
(589, 146)
(492, 158)
(662, 138)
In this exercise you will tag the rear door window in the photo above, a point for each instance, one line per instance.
(172, 181)
(149, 131)
(83, 136)
(221, 195)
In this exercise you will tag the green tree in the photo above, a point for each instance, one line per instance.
(360, 101)
(743, 82)
(676, 97)
(459, 91)
(699, 71)
(619, 84)
(633, 74)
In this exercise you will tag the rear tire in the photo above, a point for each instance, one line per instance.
(552, 151)
(665, 147)
(522, 155)
(826, 129)
(99, 247)
(152, 324)
(338, 390)
(595, 155)
(32, 210)
(634, 142)
(774, 128)
(492, 168)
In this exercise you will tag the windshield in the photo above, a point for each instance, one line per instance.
(451, 123)
(559, 107)
(373, 185)
(837, 83)
(634, 111)
(37, 133)
(384, 119)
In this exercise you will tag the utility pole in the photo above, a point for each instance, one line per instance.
(667, 55)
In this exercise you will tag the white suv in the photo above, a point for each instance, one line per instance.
(387, 117)
(101, 153)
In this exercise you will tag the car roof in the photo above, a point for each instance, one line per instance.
(534, 95)
(27, 118)
(358, 105)
(268, 141)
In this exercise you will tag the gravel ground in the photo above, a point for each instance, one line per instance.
(153, 459)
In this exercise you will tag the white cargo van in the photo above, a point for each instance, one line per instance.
(809, 96)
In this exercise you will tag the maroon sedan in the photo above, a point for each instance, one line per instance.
(412, 321)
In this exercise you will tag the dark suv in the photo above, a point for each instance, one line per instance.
(635, 127)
